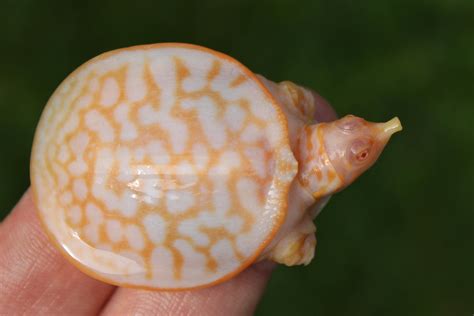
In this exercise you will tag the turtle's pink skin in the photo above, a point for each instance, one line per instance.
(172, 166)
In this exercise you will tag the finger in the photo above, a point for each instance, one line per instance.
(324, 111)
(238, 296)
(34, 278)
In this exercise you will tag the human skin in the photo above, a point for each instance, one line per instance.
(35, 279)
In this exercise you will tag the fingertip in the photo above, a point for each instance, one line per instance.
(265, 267)
(33, 274)
(324, 111)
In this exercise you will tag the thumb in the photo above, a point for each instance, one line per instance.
(238, 296)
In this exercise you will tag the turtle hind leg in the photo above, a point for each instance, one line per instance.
(298, 250)
(297, 247)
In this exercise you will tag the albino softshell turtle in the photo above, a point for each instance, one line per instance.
(173, 166)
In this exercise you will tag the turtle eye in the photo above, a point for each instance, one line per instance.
(361, 156)
(360, 150)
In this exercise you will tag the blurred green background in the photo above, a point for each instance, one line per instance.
(400, 240)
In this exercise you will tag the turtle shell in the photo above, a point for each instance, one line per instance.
(163, 166)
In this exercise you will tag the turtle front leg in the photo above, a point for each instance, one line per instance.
(299, 101)
(298, 246)
(302, 99)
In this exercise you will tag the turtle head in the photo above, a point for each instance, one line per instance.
(353, 145)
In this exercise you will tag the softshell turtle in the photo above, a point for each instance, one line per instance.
(173, 166)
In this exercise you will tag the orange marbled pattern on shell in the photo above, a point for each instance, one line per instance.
(162, 166)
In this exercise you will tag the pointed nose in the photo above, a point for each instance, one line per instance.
(389, 128)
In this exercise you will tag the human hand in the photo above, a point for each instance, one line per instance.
(35, 279)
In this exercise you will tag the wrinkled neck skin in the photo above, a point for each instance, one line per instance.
(306, 140)
(295, 241)
(316, 173)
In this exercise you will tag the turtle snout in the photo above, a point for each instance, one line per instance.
(387, 129)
